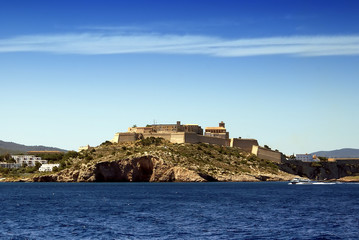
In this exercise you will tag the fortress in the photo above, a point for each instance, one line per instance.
(193, 133)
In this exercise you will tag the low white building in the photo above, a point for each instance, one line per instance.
(306, 158)
(47, 167)
(29, 160)
(9, 165)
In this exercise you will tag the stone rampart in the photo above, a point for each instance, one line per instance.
(195, 138)
(245, 144)
(124, 137)
(267, 154)
(178, 137)
(214, 140)
(166, 136)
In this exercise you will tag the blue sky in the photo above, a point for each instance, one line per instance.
(284, 72)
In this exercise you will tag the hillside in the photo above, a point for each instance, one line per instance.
(14, 148)
(340, 153)
(157, 160)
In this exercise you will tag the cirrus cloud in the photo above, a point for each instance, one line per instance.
(95, 43)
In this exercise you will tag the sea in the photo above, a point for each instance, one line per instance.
(263, 210)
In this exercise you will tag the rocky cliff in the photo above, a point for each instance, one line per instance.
(321, 170)
(152, 160)
(139, 169)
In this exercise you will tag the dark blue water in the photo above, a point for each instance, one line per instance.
(178, 211)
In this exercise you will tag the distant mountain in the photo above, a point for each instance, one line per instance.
(13, 148)
(340, 153)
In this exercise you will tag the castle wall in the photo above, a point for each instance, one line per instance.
(267, 154)
(166, 136)
(214, 140)
(124, 137)
(178, 137)
(191, 138)
(245, 144)
(195, 138)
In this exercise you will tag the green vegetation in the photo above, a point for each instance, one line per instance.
(6, 158)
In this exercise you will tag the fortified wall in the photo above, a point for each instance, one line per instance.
(245, 144)
(193, 133)
(268, 154)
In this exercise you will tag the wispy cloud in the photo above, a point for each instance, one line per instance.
(92, 44)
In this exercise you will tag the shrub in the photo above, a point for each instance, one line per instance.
(315, 164)
(151, 141)
(106, 143)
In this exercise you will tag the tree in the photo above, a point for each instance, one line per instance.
(37, 165)
(7, 158)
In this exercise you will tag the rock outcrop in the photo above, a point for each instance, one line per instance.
(141, 169)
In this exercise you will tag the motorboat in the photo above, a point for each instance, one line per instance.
(300, 181)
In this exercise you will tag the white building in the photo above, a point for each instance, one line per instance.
(306, 158)
(47, 167)
(9, 165)
(29, 160)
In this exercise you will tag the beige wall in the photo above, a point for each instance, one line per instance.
(267, 154)
(195, 138)
(166, 136)
(245, 144)
(124, 137)
(177, 137)
(214, 140)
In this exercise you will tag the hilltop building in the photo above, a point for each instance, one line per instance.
(193, 133)
(168, 128)
(219, 132)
